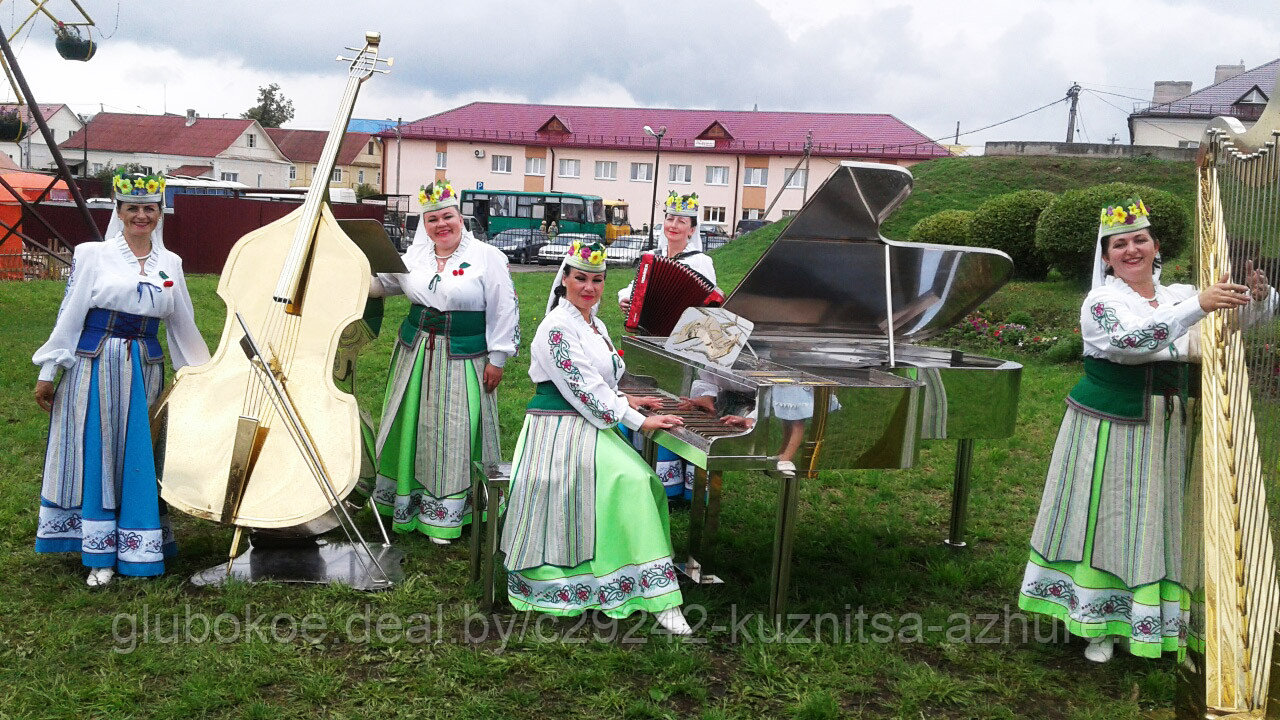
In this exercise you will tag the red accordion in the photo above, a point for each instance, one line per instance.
(663, 290)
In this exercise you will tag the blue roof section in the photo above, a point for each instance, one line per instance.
(369, 126)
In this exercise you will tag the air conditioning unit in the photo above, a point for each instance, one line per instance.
(479, 153)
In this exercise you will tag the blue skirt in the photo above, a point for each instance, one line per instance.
(675, 472)
(135, 537)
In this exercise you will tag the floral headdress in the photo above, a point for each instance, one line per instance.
(1127, 216)
(588, 256)
(138, 188)
(437, 195)
(686, 205)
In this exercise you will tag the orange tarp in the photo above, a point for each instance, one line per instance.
(29, 186)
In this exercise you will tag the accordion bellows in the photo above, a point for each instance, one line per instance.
(663, 290)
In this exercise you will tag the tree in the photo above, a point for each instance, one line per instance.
(273, 108)
(108, 171)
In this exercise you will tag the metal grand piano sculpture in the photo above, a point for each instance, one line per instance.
(838, 310)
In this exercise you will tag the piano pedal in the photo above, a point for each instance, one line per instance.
(692, 569)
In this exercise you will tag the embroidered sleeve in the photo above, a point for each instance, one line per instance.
(186, 345)
(501, 311)
(581, 384)
(1111, 328)
(60, 349)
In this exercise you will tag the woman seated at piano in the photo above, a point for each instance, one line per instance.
(1106, 547)
(681, 242)
(440, 411)
(587, 525)
(100, 496)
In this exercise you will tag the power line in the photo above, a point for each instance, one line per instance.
(985, 127)
(1127, 97)
(1143, 120)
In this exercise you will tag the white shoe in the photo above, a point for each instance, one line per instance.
(439, 541)
(786, 467)
(99, 577)
(673, 621)
(1100, 649)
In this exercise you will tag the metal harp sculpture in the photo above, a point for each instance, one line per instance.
(1229, 554)
(260, 436)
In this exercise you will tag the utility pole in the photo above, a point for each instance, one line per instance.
(1074, 94)
(1114, 139)
(957, 132)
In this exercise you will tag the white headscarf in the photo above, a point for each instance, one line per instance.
(116, 226)
(1100, 267)
(423, 248)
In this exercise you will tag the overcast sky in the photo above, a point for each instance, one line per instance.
(930, 63)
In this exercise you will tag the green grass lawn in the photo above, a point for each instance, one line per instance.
(938, 634)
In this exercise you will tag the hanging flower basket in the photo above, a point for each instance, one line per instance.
(12, 129)
(72, 45)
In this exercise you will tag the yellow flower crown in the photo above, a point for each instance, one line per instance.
(682, 204)
(437, 194)
(1129, 215)
(134, 184)
(587, 256)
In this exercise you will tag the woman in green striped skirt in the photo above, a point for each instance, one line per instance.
(1106, 550)
(440, 411)
(587, 525)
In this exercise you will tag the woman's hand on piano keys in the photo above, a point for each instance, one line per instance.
(738, 421)
(660, 422)
(644, 402)
(705, 403)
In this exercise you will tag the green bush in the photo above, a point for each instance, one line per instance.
(1008, 223)
(948, 227)
(1067, 349)
(1068, 228)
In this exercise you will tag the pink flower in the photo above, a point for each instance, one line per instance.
(556, 335)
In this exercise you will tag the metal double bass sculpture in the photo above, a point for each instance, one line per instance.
(261, 437)
(1229, 533)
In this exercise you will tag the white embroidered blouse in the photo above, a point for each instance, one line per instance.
(106, 275)
(475, 278)
(581, 360)
(1118, 324)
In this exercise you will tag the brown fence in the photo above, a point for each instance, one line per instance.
(201, 229)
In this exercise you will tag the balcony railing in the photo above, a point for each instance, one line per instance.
(1244, 111)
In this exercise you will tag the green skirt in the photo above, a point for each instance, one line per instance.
(1095, 603)
(631, 567)
(399, 493)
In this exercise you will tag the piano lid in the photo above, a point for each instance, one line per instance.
(826, 273)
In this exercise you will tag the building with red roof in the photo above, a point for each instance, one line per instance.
(737, 161)
(359, 159)
(234, 149)
(31, 152)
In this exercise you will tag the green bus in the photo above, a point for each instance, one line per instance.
(498, 210)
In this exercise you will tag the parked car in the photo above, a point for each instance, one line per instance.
(472, 224)
(746, 226)
(713, 236)
(555, 250)
(625, 250)
(520, 245)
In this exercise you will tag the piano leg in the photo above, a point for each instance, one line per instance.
(703, 521)
(960, 494)
(783, 539)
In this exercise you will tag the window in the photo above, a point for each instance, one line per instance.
(797, 179)
(573, 210)
(570, 168)
(259, 180)
(293, 172)
(252, 140)
(336, 176)
(1188, 144)
(789, 213)
(680, 173)
(442, 160)
(535, 166)
(501, 163)
(377, 177)
(230, 176)
(370, 147)
(97, 168)
(751, 213)
(606, 170)
(360, 176)
(642, 172)
(718, 175)
(757, 177)
(712, 213)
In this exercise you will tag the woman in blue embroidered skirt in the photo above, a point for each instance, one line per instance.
(1106, 550)
(587, 525)
(100, 495)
